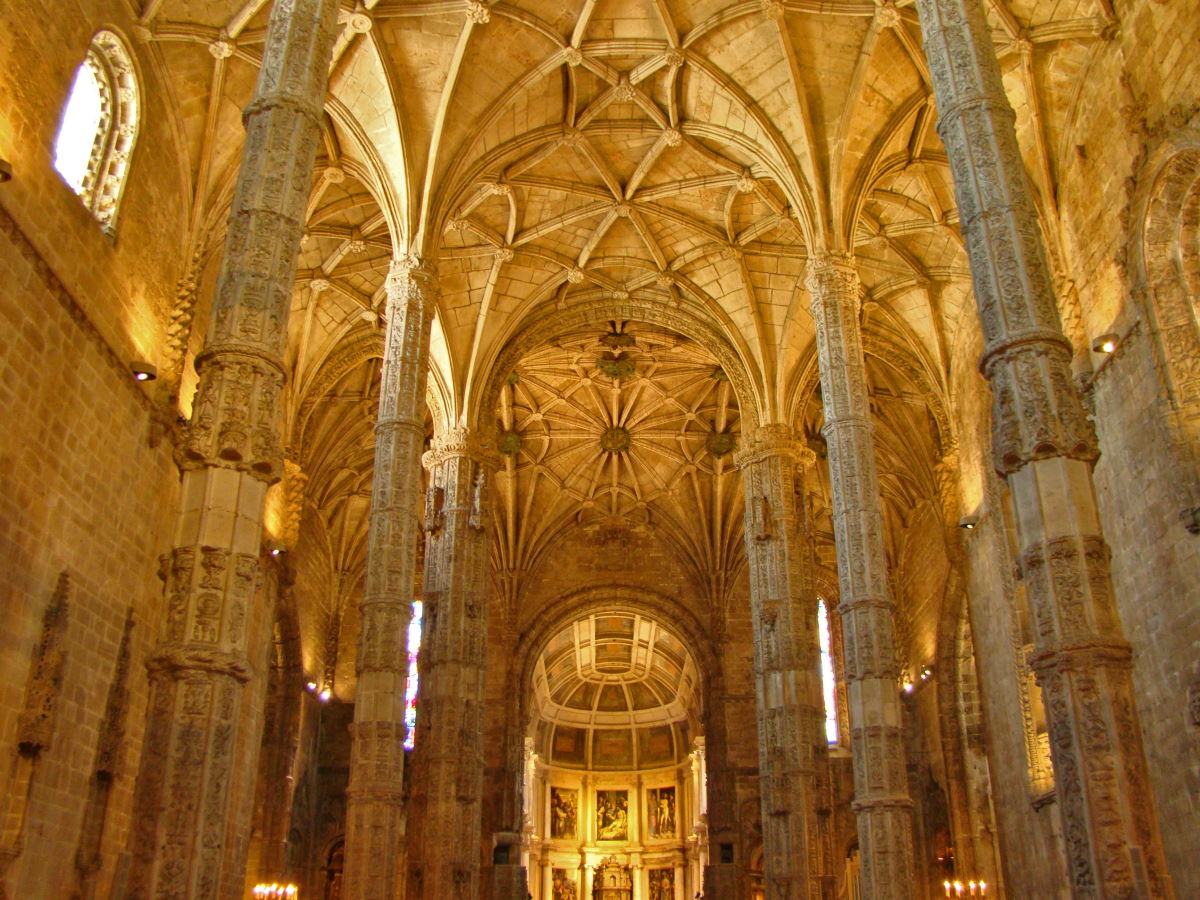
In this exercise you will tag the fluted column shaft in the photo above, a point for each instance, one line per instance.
(783, 605)
(1045, 447)
(881, 798)
(190, 821)
(374, 796)
(448, 787)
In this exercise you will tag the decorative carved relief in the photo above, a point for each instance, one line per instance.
(35, 726)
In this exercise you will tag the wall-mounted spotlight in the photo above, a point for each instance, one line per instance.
(5, 171)
(1106, 343)
(143, 371)
(276, 548)
(968, 522)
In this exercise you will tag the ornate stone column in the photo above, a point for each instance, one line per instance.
(188, 829)
(374, 796)
(445, 844)
(881, 799)
(1045, 448)
(784, 609)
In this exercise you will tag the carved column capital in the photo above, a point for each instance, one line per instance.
(832, 275)
(771, 440)
(412, 272)
(461, 442)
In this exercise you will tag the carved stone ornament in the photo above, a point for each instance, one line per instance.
(615, 440)
(43, 687)
(478, 12)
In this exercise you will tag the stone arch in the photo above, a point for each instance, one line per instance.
(1165, 248)
(1171, 267)
(351, 353)
(577, 604)
(611, 597)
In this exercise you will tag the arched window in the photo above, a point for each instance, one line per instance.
(827, 680)
(99, 127)
(410, 691)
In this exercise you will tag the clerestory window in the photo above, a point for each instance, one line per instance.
(99, 127)
(828, 683)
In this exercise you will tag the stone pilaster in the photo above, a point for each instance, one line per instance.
(881, 799)
(1044, 446)
(445, 847)
(786, 653)
(186, 824)
(374, 807)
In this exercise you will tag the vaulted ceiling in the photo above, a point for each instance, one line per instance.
(658, 170)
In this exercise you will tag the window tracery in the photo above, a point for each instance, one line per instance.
(99, 127)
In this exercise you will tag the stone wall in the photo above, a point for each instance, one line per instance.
(1153, 70)
(83, 492)
(82, 489)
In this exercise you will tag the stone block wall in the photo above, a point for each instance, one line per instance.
(81, 491)
(81, 488)
(1156, 573)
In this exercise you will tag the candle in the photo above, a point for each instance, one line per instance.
(958, 889)
(946, 885)
(276, 891)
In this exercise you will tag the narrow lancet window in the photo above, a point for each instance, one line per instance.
(410, 691)
(827, 680)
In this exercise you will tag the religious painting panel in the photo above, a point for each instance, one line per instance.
(612, 815)
(564, 808)
(662, 884)
(563, 884)
(660, 812)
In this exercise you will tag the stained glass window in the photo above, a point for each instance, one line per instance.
(410, 693)
(827, 680)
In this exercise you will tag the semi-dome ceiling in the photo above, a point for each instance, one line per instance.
(615, 691)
